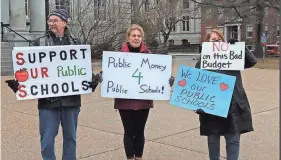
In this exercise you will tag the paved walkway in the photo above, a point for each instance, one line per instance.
(172, 133)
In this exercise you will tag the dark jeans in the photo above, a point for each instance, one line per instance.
(232, 146)
(134, 123)
(49, 121)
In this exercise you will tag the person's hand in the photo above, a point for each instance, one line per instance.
(200, 111)
(96, 79)
(171, 81)
(13, 84)
(232, 41)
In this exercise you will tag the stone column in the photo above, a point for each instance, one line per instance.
(225, 32)
(17, 15)
(5, 14)
(239, 32)
(37, 15)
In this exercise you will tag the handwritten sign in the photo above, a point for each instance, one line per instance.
(195, 88)
(52, 71)
(223, 56)
(136, 76)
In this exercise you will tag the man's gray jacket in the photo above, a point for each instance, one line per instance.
(50, 39)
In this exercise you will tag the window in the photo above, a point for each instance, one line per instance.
(157, 1)
(249, 31)
(171, 42)
(146, 5)
(63, 4)
(100, 9)
(278, 31)
(266, 30)
(252, 8)
(173, 23)
(208, 13)
(184, 42)
(185, 23)
(26, 7)
(266, 12)
(185, 4)
(220, 13)
(221, 28)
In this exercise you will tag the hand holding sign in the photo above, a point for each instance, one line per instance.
(171, 81)
(199, 89)
(232, 41)
(52, 71)
(13, 84)
(96, 79)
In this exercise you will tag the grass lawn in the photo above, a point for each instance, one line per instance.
(268, 63)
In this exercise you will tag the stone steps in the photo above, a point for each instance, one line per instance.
(6, 59)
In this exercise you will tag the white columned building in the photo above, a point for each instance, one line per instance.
(17, 15)
(37, 16)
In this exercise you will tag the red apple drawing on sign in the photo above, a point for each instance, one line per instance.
(21, 75)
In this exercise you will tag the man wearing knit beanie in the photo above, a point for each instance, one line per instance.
(62, 13)
(57, 21)
(55, 111)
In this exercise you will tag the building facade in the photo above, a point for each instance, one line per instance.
(188, 29)
(22, 20)
(243, 29)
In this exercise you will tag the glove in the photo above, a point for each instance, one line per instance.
(171, 81)
(96, 79)
(200, 111)
(13, 84)
(232, 41)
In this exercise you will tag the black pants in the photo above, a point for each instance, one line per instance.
(134, 124)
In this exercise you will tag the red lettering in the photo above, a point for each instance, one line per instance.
(19, 57)
(32, 73)
(227, 46)
(22, 93)
(217, 46)
(44, 72)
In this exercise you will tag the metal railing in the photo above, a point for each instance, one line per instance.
(30, 42)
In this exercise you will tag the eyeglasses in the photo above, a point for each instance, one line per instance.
(53, 21)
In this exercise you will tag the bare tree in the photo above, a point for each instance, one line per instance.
(137, 9)
(273, 4)
(100, 25)
(248, 10)
(165, 14)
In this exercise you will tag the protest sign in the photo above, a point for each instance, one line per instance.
(223, 56)
(136, 76)
(195, 88)
(52, 71)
